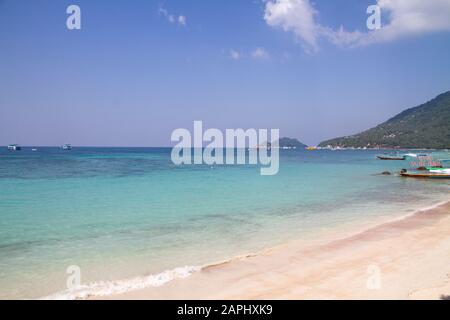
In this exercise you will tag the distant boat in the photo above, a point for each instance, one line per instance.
(67, 147)
(14, 147)
(34, 149)
(391, 157)
(311, 148)
(415, 155)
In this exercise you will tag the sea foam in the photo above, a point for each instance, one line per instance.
(105, 288)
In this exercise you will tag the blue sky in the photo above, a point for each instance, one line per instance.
(134, 73)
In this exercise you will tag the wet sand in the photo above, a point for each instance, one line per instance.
(408, 258)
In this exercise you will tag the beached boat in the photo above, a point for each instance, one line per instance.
(391, 157)
(14, 147)
(432, 174)
(67, 147)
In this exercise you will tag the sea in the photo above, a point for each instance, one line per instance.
(97, 221)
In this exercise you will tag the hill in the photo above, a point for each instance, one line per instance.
(290, 143)
(424, 126)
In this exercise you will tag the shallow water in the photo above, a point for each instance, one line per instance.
(122, 213)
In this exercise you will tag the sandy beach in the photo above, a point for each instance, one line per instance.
(408, 258)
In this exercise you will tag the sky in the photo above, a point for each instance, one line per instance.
(137, 70)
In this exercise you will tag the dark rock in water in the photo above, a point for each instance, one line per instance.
(384, 173)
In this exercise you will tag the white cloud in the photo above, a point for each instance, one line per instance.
(163, 12)
(181, 19)
(260, 53)
(297, 16)
(403, 18)
(257, 54)
(235, 55)
(409, 18)
(171, 18)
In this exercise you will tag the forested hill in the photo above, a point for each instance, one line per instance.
(424, 126)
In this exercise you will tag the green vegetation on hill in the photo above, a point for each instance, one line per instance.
(425, 126)
(290, 143)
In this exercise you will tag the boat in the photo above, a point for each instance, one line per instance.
(14, 147)
(429, 168)
(67, 147)
(391, 157)
(440, 170)
(432, 174)
(415, 155)
(311, 148)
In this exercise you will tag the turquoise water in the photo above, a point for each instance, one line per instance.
(122, 213)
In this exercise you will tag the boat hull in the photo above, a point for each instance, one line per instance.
(425, 175)
(391, 158)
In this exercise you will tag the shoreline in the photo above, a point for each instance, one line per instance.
(330, 268)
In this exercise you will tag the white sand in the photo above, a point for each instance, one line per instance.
(404, 259)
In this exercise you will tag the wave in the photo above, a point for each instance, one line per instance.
(105, 288)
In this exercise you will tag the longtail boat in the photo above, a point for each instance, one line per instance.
(391, 157)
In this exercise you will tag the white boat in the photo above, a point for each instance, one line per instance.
(412, 155)
(14, 147)
(67, 147)
(444, 171)
(415, 155)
